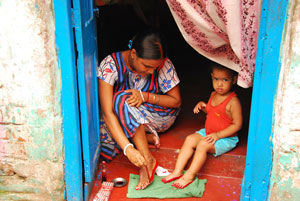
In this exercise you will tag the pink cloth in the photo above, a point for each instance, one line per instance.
(224, 31)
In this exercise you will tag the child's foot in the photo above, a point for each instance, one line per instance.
(173, 176)
(153, 139)
(183, 182)
(146, 178)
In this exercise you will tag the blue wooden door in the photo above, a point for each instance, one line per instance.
(86, 45)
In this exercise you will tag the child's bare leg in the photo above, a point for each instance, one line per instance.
(198, 161)
(185, 154)
(141, 144)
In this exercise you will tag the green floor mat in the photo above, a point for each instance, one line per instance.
(158, 189)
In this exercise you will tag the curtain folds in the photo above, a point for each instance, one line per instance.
(224, 31)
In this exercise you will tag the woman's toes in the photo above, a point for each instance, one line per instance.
(157, 143)
(137, 188)
(144, 186)
(153, 139)
(144, 180)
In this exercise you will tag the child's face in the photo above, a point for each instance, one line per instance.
(222, 81)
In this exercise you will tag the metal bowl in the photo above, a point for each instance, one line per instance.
(119, 182)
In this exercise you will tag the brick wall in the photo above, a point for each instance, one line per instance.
(31, 157)
(285, 175)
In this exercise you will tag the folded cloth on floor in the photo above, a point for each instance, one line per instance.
(160, 171)
(158, 189)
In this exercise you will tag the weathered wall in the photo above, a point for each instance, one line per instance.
(31, 155)
(285, 178)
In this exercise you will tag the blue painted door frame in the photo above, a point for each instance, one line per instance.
(87, 60)
(256, 180)
(79, 94)
(73, 172)
(259, 153)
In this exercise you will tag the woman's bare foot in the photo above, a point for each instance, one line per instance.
(183, 181)
(173, 176)
(145, 176)
(153, 139)
(143, 180)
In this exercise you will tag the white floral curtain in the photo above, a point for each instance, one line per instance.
(224, 31)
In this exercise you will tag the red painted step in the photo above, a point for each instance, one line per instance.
(216, 189)
(224, 173)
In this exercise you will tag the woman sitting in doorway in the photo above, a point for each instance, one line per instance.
(139, 94)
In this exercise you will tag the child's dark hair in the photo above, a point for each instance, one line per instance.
(215, 65)
(149, 44)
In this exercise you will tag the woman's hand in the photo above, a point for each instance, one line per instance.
(200, 106)
(135, 157)
(136, 99)
(211, 138)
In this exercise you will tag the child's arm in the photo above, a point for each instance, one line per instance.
(237, 121)
(201, 106)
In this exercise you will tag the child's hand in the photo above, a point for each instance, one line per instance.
(200, 106)
(211, 138)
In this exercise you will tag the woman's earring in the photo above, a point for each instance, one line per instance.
(130, 44)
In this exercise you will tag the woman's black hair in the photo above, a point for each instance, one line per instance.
(149, 44)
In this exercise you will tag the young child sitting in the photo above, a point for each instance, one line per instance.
(223, 121)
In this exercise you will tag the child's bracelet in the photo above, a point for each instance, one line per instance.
(127, 145)
(142, 95)
(153, 98)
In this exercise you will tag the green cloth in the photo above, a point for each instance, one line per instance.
(158, 189)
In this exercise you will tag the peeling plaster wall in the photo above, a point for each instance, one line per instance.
(31, 152)
(285, 175)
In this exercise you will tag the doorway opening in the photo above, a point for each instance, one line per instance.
(116, 25)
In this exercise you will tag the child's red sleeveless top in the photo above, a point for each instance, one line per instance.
(216, 118)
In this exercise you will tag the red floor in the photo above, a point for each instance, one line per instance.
(224, 174)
